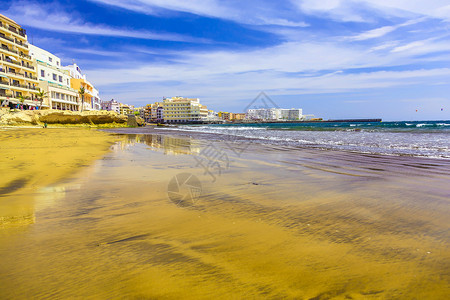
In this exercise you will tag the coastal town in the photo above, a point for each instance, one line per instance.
(32, 78)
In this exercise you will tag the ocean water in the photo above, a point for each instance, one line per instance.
(410, 138)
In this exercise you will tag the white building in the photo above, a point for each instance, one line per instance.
(111, 105)
(92, 99)
(180, 110)
(274, 114)
(54, 80)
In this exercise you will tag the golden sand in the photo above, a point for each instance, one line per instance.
(276, 224)
(34, 158)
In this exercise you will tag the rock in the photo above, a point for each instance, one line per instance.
(135, 121)
(37, 117)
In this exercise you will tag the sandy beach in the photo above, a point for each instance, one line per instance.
(90, 214)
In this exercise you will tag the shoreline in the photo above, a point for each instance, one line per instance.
(241, 139)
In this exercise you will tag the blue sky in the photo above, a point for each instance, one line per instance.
(333, 58)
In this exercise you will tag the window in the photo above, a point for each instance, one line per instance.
(50, 59)
(57, 63)
(60, 78)
(42, 73)
(54, 76)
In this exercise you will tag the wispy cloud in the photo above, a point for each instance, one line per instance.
(51, 18)
(251, 12)
(354, 11)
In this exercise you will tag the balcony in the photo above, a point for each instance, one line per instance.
(24, 86)
(10, 50)
(6, 38)
(20, 31)
(21, 54)
(28, 76)
(9, 60)
(20, 43)
(26, 65)
(62, 87)
(6, 95)
(4, 82)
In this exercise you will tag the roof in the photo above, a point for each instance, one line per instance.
(8, 19)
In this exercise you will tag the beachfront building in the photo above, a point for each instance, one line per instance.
(158, 112)
(91, 97)
(54, 81)
(18, 80)
(111, 105)
(183, 110)
(238, 116)
(213, 116)
(227, 116)
(274, 114)
(146, 113)
(203, 112)
(125, 109)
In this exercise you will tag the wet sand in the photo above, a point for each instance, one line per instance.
(270, 222)
(33, 158)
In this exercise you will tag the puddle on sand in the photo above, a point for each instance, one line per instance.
(274, 224)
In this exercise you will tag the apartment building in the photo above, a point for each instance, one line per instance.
(157, 113)
(183, 110)
(203, 113)
(152, 113)
(91, 99)
(18, 80)
(125, 109)
(227, 116)
(54, 81)
(276, 114)
(111, 105)
(238, 116)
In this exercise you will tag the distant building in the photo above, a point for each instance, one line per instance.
(238, 116)
(111, 105)
(213, 116)
(274, 114)
(227, 116)
(181, 110)
(125, 109)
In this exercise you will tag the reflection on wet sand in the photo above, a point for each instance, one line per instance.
(279, 223)
(31, 159)
(169, 144)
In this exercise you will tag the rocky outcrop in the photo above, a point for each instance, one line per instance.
(135, 121)
(38, 117)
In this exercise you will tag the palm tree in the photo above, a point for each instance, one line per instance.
(40, 95)
(81, 92)
(21, 99)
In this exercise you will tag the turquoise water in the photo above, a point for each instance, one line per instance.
(410, 138)
(419, 126)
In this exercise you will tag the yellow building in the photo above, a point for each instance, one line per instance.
(238, 116)
(225, 115)
(126, 109)
(76, 84)
(182, 110)
(203, 112)
(17, 70)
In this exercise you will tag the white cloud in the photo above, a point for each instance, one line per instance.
(382, 31)
(49, 18)
(289, 68)
(261, 12)
(349, 10)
